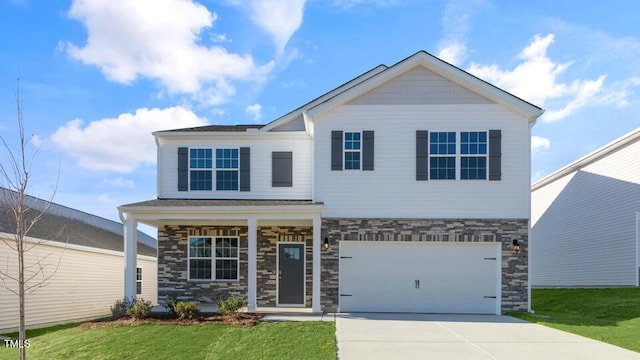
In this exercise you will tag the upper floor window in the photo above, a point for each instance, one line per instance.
(442, 151)
(227, 169)
(200, 165)
(352, 149)
(473, 151)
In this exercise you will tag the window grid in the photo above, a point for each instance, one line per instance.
(473, 167)
(138, 281)
(227, 164)
(352, 148)
(221, 264)
(442, 167)
(201, 173)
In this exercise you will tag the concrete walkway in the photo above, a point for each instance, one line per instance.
(435, 336)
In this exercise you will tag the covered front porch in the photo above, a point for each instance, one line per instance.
(266, 251)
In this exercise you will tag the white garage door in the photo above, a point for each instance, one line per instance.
(380, 276)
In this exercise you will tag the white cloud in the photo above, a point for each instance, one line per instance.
(454, 53)
(455, 26)
(535, 79)
(539, 144)
(106, 199)
(158, 40)
(255, 111)
(36, 141)
(281, 19)
(120, 144)
(119, 182)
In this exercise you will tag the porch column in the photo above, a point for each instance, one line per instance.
(315, 297)
(130, 254)
(251, 265)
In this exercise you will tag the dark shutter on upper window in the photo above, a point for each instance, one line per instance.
(336, 150)
(495, 154)
(245, 169)
(183, 169)
(367, 150)
(422, 155)
(282, 169)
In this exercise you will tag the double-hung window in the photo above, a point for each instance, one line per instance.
(442, 151)
(138, 281)
(352, 150)
(227, 169)
(473, 155)
(200, 165)
(213, 258)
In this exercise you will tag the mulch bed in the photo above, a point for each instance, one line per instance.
(238, 320)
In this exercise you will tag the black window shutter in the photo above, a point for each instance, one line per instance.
(282, 169)
(336, 150)
(422, 155)
(183, 169)
(495, 154)
(245, 169)
(367, 150)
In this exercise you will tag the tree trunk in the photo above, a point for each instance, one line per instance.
(21, 331)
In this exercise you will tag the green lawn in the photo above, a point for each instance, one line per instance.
(266, 340)
(609, 315)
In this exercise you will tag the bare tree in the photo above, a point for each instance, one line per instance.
(22, 213)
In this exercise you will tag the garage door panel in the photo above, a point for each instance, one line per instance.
(419, 277)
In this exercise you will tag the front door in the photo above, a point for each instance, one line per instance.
(291, 274)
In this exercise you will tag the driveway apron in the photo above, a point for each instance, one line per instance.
(439, 336)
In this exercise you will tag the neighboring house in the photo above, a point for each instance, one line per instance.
(586, 220)
(402, 190)
(88, 251)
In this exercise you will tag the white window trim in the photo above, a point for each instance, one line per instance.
(140, 281)
(212, 168)
(214, 176)
(344, 150)
(213, 259)
(459, 157)
(304, 278)
(455, 156)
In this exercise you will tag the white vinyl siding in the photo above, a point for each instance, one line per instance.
(85, 286)
(261, 145)
(584, 228)
(392, 191)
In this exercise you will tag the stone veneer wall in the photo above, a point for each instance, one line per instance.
(514, 266)
(268, 238)
(173, 267)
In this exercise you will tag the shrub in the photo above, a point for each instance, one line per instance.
(120, 307)
(185, 310)
(230, 305)
(139, 309)
(170, 304)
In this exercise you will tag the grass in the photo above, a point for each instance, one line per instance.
(609, 315)
(266, 340)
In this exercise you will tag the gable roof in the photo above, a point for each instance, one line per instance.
(442, 68)
(626, 139)
(378, 76)
(65, 225)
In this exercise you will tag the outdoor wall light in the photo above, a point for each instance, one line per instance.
(325, 244)
(516, 245)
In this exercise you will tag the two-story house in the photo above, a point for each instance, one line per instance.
(404, 190)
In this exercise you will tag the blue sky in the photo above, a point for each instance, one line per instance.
(98, 76)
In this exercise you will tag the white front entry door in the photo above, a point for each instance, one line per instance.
(421, 277)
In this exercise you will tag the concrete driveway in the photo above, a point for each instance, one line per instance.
(437, 336)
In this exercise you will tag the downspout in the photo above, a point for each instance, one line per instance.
(530, 242)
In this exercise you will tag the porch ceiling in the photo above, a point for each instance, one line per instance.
(160, 212)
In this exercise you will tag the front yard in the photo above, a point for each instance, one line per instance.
(266, 340)
(609, 315)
